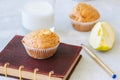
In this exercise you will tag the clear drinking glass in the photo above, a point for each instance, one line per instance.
(38, 14)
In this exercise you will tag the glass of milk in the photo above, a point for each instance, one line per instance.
(38, 15)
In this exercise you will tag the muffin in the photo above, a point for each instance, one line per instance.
(41, 44)
(83, 17)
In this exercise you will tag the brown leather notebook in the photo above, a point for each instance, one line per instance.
(62, 63)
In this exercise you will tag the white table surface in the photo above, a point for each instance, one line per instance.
(87, 69)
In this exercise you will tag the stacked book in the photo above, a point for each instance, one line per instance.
(15, 62)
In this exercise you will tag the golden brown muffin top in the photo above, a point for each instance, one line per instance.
(84, 13)
(41, 39)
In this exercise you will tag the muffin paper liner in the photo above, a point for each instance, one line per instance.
(83, 26)
(40, 53)
(83, 23)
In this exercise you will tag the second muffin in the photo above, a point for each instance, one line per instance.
(41, 44)
(83, 17)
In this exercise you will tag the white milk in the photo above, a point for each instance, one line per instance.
(37, 15)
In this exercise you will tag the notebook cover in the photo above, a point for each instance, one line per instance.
(15, 54)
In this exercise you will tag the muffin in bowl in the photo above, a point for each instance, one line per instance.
(41, 44)
(83, 17)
